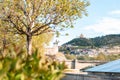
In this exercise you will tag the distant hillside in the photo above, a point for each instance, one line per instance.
(112, 40)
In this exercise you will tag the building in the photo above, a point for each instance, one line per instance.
(110, 69)
(109, 50)
(51, 50)
(82, 36)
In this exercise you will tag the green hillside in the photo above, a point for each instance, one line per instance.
(109, 40)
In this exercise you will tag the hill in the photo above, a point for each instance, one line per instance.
(108, 40)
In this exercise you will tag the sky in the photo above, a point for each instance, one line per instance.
(103, 19)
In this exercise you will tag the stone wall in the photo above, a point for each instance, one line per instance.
(76, 64)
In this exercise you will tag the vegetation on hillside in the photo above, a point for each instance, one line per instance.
(108, 40)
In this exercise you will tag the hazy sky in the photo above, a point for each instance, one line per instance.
(103, 18)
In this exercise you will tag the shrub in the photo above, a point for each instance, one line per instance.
(70, 56)
(30, 68)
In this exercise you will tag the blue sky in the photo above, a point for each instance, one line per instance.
(103, 18)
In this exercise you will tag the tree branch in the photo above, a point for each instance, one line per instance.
(43, 31)
(40, 27)
(22, 21)
(17, 28)
(22, 9)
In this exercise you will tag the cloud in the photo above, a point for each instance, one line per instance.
(106, 26)
(115, 12)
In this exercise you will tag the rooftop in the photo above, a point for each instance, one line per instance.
(110, 67)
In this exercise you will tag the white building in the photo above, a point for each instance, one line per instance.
(51, 50)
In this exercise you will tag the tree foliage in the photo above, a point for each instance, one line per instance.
(39, 42)
(10, 41)
(70, 56)
(102, 57)
(16, 43)
(35, 17)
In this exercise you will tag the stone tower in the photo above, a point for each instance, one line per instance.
(81, 36)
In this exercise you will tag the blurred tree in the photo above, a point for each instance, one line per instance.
(39, 42)
(35, 17)
(101, 56)
(70, 56)
(8, 40)
(3, 36)
(15, 42)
